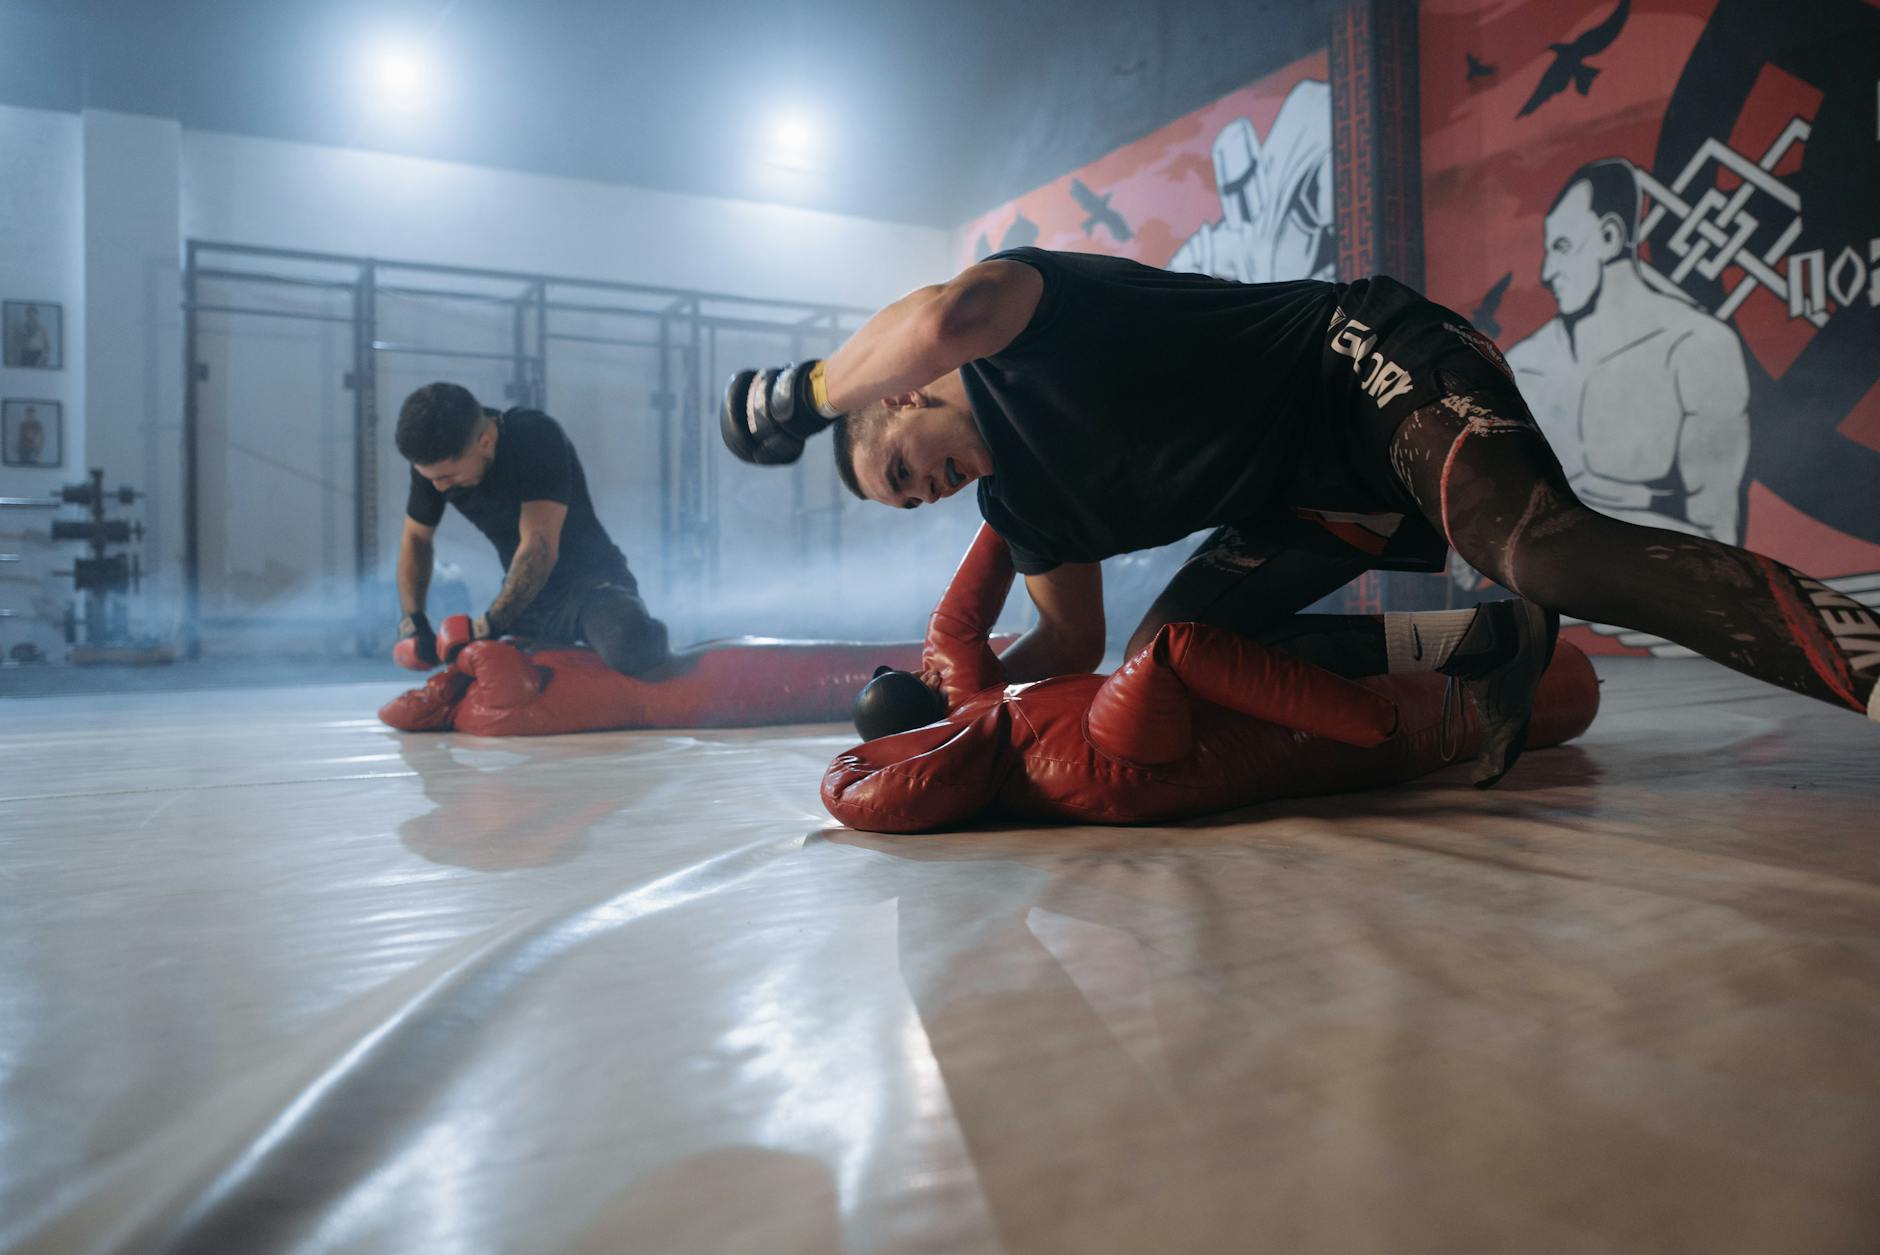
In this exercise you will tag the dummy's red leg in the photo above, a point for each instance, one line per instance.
(1142, 713)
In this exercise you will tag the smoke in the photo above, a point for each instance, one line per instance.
(875, 575)
(841, 570)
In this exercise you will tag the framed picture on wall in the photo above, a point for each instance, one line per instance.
(34, 332)
(32, 433)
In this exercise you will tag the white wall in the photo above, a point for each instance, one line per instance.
(276, 524)
(93, 213)
(258, 191)
(133, 331)
(41, 259)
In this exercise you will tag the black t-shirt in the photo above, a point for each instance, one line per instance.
(1140, 405)
(534, 462)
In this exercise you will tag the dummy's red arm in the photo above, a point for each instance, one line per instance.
(957, 655)
(1143, 713)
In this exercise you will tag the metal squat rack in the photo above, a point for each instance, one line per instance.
(679, 326)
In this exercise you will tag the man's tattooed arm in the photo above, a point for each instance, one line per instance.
(528, 572)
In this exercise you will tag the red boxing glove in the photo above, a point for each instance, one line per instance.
(460, 630)
(453, 636)
(416, 648)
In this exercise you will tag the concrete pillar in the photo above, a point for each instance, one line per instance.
(133, 332)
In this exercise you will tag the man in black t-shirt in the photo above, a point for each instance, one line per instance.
(518, 479)
(1322, 429)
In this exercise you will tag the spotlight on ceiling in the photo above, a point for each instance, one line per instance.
(793, 139)
(401, 78)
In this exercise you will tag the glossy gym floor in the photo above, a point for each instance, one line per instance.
(273, 977)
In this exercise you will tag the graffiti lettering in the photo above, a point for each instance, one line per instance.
(1386, 380)
(1348, 342)
(1854, 627)
(1813, 281)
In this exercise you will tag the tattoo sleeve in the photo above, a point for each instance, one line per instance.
(528, 571)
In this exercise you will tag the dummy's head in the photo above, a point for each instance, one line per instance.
(913, 449)
(895, 701)
(1593, 223)
(446, 436)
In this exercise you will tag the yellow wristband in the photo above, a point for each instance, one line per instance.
(819, 392)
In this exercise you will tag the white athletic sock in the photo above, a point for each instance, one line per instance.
(1424, 641)
(1873, 704)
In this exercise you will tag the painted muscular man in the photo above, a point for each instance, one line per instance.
(1642, 394)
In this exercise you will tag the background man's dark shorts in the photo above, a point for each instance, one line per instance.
(556, 620)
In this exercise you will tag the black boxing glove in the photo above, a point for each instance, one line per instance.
(417, 643)
(768, 414)
(896, 701)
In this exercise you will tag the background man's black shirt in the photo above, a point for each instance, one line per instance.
(534, 462)
(1140, 405)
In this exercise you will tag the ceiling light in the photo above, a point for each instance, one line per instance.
(793, 137)
(402, 78)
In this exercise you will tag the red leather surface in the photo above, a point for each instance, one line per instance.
(1041, 765)
(405, 654)
(495, 689)
(1198, 721)
(454, 635)
(957, 658)
(1144, 712)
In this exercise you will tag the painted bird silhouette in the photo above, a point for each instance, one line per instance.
(1477, 69)
(1101, 215)
(1023, 231)
(1569, 64)
(1483, 315)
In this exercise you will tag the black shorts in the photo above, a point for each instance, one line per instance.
(555, 617)
(1388, 352)
(1345, 510)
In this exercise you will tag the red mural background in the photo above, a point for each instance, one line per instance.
(1754, 92)
(1162, 185)
(1723, 377)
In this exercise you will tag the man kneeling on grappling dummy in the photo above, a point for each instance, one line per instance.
(517, 477)
(1101, 406)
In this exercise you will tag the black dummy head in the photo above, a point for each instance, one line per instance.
(895, 701)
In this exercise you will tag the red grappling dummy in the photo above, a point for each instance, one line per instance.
(1200, 720)
(494, 688)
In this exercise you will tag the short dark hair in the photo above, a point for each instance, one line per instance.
(845, 456)
(850, 428)
(1614, 184)
(436, 423)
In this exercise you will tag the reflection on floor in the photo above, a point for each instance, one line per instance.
(273, 976)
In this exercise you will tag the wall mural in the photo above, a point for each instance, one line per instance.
(1241, 188)
(1663, 209)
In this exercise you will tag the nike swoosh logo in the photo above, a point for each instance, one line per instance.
(1416, 643)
